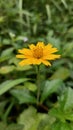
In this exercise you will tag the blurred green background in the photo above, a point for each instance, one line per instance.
(23, 22)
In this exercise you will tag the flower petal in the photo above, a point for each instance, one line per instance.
(25, 62)
(53, 50)
(40, 44)
(46, 62)
(20, 56)
(26, 52)
(35, 61)
(32, 46)
(49, 50)
(48, 46)
(51, 57)
(23, 50)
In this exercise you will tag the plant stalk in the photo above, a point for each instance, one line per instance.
(38, 84)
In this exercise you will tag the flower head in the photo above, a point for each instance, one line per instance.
(37, 54)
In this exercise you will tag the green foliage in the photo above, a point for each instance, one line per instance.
(33, 120)
(10, 127)
(5, 86)
(66, 99)
(23, 22)
(49, 88)
(63, 112)
(61, 126)
(61, 73)
(23, 96)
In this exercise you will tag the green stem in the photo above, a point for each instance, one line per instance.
(20, 13)
(8, 111)
(38, 84)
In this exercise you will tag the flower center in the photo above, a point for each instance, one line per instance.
(38, 52)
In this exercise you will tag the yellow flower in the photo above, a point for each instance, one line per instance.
(37, 54)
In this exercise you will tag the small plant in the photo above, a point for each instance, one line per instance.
(36, 90)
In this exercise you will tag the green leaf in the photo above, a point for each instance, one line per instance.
(61, 114)
(7, 52)
(7, 85)
(68, 99)
(2, 19)
(6, 69)
(45, 123)
(2, 105)
(62, 73)
(68, 48)
(61, 126)
(58, 114)
(32, 120)
(27, 118)
(64, 3)
(4, 126)
(23, 68)
(49, 88)
(15, 127)
(3, 58)
(31, 86)
(69, 116)
(23, 96)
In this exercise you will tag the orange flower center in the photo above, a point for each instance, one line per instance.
(38, 52)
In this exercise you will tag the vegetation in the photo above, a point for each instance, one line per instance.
(23, 22)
